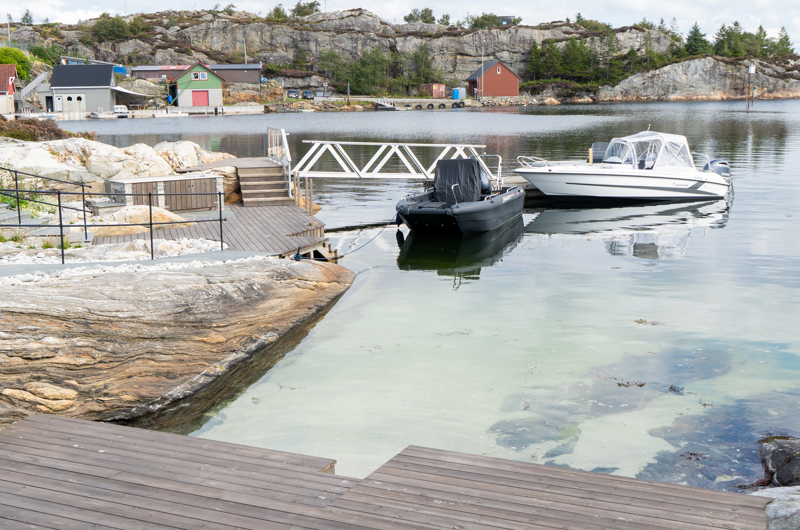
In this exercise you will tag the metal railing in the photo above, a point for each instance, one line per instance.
(278, 150)
(17, 192)
(19, 195)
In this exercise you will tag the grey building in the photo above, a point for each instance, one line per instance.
(238, 73)
(80, 88)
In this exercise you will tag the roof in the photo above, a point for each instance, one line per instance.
(249, 66)
(82, 75)
(192, 66)
(480, 71)
(171, 67)
(7, 71)
(129, 92)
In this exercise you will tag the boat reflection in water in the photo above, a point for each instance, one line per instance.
(650, 231)
(461, 257)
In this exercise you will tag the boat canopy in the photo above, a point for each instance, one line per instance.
(650, 150)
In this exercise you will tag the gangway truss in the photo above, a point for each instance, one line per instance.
(386, 150)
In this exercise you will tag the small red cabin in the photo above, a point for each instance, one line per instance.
(493, 79)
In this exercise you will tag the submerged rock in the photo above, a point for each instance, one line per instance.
(121, 345)
(780, 456)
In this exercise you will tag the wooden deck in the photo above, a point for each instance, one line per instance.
(277, 230)
(66, 473)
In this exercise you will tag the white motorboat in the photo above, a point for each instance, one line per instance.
(645, 166)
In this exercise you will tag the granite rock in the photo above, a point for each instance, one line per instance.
(109, 343)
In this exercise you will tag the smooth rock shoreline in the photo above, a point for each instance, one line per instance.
(113, 344)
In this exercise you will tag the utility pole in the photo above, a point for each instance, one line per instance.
(8, 27)
(244, 41)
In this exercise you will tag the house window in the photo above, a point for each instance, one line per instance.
(199, 76)
(498, 70)
(79, 98)
(69, 98)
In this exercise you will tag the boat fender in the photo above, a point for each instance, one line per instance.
(418, 107)
(398, 220)
(455, 105)
(442, 106)
(430, 105)
(298, 256)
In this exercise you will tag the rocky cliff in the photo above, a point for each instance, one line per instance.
(220, 37)
(118, 343)
(708, 78)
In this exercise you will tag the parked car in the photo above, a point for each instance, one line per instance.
(293, 94)
(307, 94)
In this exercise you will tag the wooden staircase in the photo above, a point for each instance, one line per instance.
(264, 186)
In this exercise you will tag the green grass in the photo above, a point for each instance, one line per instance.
(47, 244)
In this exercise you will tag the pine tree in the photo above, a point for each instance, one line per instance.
(551, 60)
(722, 41)
(696, 42)
(534, 67)
(783, 46)
(27, 18)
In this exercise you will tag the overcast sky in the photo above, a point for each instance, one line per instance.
(710, 14)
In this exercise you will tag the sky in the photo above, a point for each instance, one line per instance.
(710, 14)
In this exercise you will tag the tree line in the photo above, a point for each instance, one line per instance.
(599, 57)
(378, 72)
(483, 21)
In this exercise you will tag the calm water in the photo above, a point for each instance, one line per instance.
(616, 340)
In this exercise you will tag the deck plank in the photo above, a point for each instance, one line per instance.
(269, 229)
(58, 472)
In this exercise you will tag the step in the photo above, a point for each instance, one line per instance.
(262, 185)
(10, 217)
(263, 178)
(264, 194)
(268, 202)
(259, 171)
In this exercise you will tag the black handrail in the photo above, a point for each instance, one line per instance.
(85, 225)
(51, 179)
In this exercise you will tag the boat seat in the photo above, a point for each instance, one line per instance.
(432, 205)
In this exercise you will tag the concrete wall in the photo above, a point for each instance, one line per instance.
(92, 99)
(7, 104)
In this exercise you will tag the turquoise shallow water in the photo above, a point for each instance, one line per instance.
(617, 340)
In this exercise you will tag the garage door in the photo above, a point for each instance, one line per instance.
(200, 98)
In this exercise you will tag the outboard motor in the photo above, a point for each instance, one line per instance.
(486, 184)
(720, 167)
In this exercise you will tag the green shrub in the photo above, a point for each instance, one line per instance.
(18, 58)
(47, 245)
(109, 28)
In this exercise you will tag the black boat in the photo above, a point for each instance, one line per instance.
(461, 201)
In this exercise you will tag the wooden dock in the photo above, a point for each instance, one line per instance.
(276, 230)
(67, 473)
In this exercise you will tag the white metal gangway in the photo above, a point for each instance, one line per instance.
(347, 168)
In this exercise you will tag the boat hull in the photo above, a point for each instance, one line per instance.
(581, 183)
(464, 218)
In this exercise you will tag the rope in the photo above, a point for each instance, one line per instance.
(299, 257)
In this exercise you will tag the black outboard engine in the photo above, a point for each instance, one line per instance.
(720, 167)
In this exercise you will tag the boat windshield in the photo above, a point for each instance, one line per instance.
(649, 150)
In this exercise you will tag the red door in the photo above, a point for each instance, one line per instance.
(200, 98)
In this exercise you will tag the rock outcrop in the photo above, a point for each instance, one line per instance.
(707, 78)
(212, 38)
(86, 161)
(118, 343)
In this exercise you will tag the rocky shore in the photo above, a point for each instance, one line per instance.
(116, 343)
